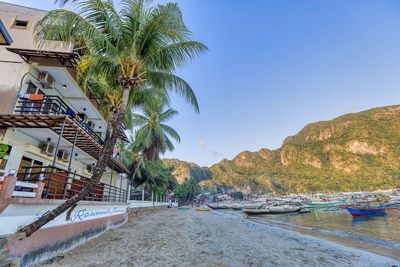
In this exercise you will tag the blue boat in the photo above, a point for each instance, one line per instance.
(358, 210)
(364, 211)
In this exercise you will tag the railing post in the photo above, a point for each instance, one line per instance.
(120, 190)
(39, 190)
(46, 107)
(72, 151)
(8, 186)
(112, 170)
(58, 143)
(65, 185)
(25, 174)
(73, 179)
(128, 189)
(48, 182)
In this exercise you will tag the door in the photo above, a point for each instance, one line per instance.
(29, 169)
(5, 162)
(30, 106)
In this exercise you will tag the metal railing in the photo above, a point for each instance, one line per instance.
(54, 105)
(62, 184)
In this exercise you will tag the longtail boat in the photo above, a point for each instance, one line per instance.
(322, 204)
(358, 210)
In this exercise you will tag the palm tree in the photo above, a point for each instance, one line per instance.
(154, 175)
(138, 47)
(193, 188)
(153, 132)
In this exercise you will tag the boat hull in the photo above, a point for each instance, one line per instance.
(321, 205)
(271, 210)
(214, 207)
(364, 211)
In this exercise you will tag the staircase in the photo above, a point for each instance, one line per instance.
(4, 260)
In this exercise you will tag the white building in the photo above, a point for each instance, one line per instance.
(53, 128)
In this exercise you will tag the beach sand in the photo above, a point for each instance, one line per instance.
(173, 237)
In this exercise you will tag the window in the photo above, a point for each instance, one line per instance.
(34, 107)
(21, 24)
(28, 162)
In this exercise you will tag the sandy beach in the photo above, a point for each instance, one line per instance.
(172, 237)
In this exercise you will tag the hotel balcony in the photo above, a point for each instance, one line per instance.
(54, 105)
(63, 184)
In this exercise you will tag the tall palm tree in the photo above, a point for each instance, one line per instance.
(193, 188)
(140, 46)
(153, 134)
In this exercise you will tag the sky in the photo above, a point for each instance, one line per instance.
(275, 66)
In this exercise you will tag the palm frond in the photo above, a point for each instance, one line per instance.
(171, 132)
(167, 81)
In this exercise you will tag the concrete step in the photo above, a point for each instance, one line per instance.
(3, 241)
(3, 254)
(11, 263)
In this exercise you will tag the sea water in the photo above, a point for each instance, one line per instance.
(379, 234)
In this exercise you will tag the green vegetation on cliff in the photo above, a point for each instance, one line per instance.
(183, 169)
(358, 151)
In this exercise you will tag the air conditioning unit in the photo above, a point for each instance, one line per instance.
(63, 155)
(46, 80)
(83, 116)
(89, 168)
(90, 124)
(48, 148)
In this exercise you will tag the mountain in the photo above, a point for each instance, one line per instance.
(185, 169)
(357, 151)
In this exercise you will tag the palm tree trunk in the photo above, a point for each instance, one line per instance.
(116, 124)
(136, 170)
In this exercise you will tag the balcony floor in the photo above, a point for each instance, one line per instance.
(54, 122)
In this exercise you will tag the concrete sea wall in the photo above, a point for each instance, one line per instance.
(87, 221)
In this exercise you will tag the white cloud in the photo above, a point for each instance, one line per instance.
(202, 144)
(215, 153)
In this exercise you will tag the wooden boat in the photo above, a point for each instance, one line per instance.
(356, 212)
(284, 209)
(218, 206)
(237, 206)
(183, 208)
(256, 211)
(273, 210)
(254, 206)
(322, 204)
(203, 209)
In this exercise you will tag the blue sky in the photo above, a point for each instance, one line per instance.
(275, 66)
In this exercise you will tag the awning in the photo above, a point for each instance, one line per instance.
(54, 122)
(67, 59)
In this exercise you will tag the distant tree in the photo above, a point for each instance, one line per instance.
(188, 190)
(237, 195)
(153, 134)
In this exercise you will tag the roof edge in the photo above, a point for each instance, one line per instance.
(12, 4)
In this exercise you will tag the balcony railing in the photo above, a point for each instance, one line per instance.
(54, 105)
(62, 184)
